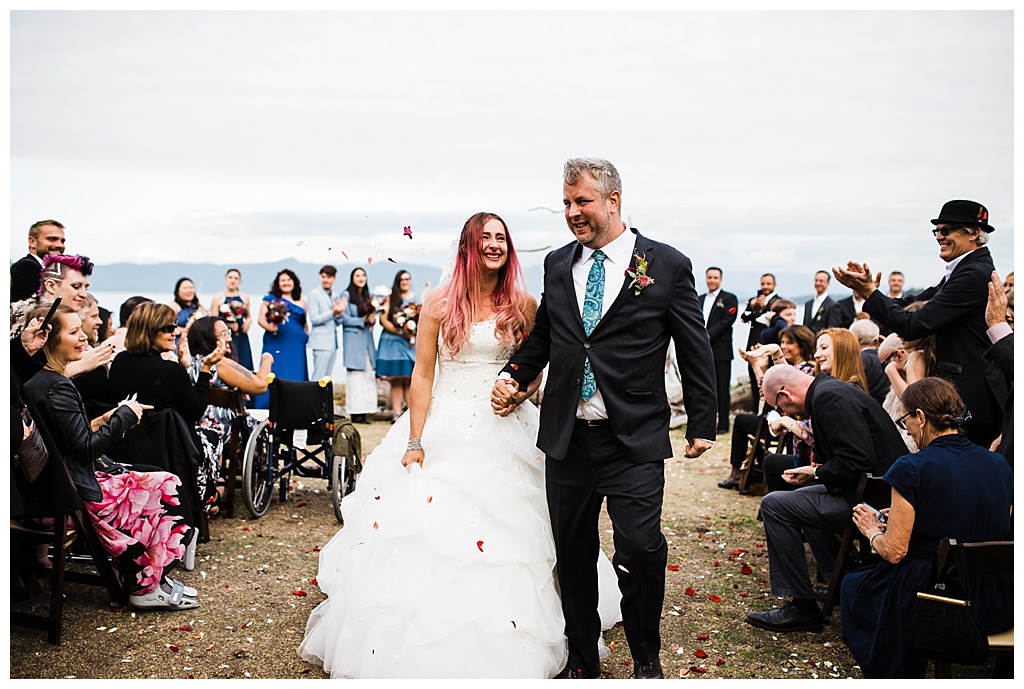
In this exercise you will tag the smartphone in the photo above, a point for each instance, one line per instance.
(881, 517)
(49, 315)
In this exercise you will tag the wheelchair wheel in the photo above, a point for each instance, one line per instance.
(257, 472)
(343, 482)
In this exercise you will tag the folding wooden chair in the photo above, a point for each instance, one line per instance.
(855, 545)
(234, 450)
(983, 558)
(760, 444)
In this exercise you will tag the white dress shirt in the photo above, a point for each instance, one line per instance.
(619, 253)
(709, 303)
(951, 266)
(817, 302)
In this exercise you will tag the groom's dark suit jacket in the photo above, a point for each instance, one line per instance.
(627, 354)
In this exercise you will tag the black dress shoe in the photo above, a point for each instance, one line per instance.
(730, 484)
(648, 671)
(787, 619)
(571, 673)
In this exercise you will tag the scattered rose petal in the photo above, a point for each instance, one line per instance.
(702, 637)
(185, 627)
(302, 503)
(673, 568)
(376, 497)
(717, 563)
(512, 621)
(737, 552)
(695, 668)
(314, 582)
(174, 649)
(480, 546)
(690, 591)
(369, 260)
(745, 569)
(700, 653)
(316, 549)
(299, 592)
(715, 599)
(720, 662)
(345, 255)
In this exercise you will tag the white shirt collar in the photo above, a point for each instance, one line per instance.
(38, 260)
(955, 262)
(618, 251)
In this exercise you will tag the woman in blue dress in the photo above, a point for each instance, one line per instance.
(359, 351)
(396, 351)
(185, 305)
(283, 317)
(950, 488)
(227, 305)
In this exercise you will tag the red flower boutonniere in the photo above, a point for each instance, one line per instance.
(639, 274)
(732, 310)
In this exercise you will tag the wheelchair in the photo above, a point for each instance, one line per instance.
(271, 457)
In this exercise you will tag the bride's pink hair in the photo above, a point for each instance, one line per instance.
(463, 288)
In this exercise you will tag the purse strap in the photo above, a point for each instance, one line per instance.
(960, 558)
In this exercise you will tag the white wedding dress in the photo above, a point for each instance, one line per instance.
(446, 571)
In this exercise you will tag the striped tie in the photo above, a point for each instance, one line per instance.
(593, 302)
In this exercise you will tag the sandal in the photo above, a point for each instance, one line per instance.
(166, 596)
(187, 590)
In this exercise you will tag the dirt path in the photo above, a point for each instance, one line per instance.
(255, 582)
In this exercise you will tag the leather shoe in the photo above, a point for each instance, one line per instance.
(571, 673)
(649, 670)
(730, 484)
(787, 619)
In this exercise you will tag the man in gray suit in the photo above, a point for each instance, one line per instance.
(324, 317)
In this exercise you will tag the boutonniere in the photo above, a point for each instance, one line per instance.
(732, 310)
(821, 310)
(720, 304)
(639, 274)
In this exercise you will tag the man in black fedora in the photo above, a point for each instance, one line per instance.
(954, 312)
(612, 300)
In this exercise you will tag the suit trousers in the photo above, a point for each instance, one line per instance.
(323, 362)
(789, 516)
(593, 469)
(743, 426)
(723, 371)
(755, 391)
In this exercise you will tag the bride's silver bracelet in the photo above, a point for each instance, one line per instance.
(414, 444)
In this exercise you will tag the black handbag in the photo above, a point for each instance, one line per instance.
(31, 456)
(944, 628)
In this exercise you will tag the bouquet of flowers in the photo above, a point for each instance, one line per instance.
(277, 312)
(379, 301)
(407, 319)
(234, 311)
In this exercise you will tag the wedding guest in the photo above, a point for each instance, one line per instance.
(1000, 334)
(214, 427)
(44, 237)
(64, 276)
(1009, 280)
(895, 285)
(186, 306)
(954, 313)
(950, 488)
(138, 517)
(838, 354)
(783, 316)
(325, 309)
(396, 354)
(758, 315)
(852, 436)
(816, 310)
(89, 374)
(893, 355)
(106, 327)
(124, 313)
(283, 318)
(141, 371)
(235, 307)
(359, 351)
(867, 334)
(719, 310)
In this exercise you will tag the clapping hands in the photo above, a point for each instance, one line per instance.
(857, 277)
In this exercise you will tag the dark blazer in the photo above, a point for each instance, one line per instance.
(720, 322)
(1001, 354)
(819, 319)
(878, 382)
(750, 315)
(852, 434)
(845, 313)
(25, 274)
(627, 354)
(955, 314)
(164, 384)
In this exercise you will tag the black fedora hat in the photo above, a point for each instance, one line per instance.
(970, 213)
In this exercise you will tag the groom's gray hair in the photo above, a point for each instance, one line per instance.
(604, 173)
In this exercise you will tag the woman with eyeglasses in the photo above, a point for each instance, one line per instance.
(214, 426)
(140, 370)
(950, 488)
(905, 362)
(137, 511)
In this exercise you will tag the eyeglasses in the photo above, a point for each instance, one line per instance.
(223, 335)
(945, 231)
(167, 329)
(776, 405)
(902, 421)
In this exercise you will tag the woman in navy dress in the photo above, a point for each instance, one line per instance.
(359, 351)
(222, 306)
(285, 340)
(950, 488)
(396, 351)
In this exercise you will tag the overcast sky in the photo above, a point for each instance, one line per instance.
(754, 141)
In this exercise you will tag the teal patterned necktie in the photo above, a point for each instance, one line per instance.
(593, 301)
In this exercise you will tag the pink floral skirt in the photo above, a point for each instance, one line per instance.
(142, 524)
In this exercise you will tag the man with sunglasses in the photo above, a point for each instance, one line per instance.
(954, 312)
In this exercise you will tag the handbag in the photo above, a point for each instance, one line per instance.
(944, 628)
(31, 456)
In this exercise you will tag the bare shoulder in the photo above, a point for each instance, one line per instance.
(432, 304)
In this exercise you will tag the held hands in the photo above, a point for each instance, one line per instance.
(799, 476)
(32, 338)
(995, 310)
(505, 397)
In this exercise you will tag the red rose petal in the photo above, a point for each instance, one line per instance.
(174, 649)
(720, 662)
(673, 568)
(392, 260)
(690, 591)
(315, 582)
(745, 569)
(715, 599)
(376, 497)
(299, 592)
(717, 563)
(302, 503)
(700, 654)
(737, 552)
(316, 549)
(702, 637)
(375, 525)
(744, 594)
(694, 668)
(185, 628)
(430, 499)
(480, 546)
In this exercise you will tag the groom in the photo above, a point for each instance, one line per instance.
(612, 299)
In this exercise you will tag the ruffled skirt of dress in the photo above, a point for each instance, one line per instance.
(444, 571)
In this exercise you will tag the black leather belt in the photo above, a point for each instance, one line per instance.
(592, 423)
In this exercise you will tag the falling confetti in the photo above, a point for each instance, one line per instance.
(480, 546)
(300, 242)
(345, 255)
(407, 231)
(369, 261)
(392, 260)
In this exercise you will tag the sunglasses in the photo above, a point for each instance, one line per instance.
(167, 329)
(945, 231)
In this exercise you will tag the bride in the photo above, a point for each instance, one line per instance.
(444, 568)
